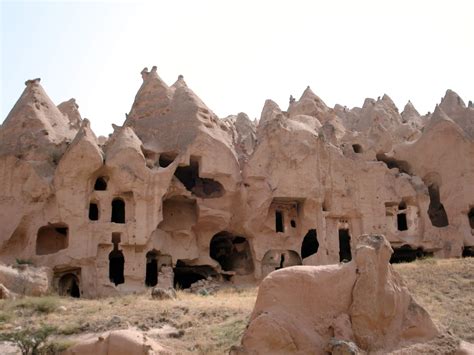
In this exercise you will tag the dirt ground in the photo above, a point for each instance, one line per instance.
(211, 324)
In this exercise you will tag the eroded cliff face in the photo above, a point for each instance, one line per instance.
(230, 198)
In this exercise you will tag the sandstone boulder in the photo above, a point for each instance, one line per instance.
(302, 308)
(118, 342)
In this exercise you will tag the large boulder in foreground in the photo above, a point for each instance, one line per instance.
(118, 342)
(304, 309)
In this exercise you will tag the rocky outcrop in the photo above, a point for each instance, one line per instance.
(25, 280)
(232, 199)
(302, 309)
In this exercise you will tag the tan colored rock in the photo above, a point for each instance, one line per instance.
(231, 199)
(118, 342)
(300, 309)
(25, 280)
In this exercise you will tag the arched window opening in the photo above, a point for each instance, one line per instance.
(100, 184)
(93, 211)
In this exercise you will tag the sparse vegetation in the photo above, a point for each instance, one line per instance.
(31, 341)
(46, 304)
(445, 288)
(211, 324)
(24, 261)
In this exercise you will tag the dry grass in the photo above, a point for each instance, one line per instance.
(445, 288)
(212, 324)
(205, 324)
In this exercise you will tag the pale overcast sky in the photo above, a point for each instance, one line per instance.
(236, 54)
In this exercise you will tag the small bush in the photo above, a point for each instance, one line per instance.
(55, 347)
(46, 304)
(23, 261)
(30, 340)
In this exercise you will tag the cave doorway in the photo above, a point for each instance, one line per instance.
(402, 224)
(69, 286)
(185, 275)
(310, 244)
(116, 266)
(118, 211)
(345, 253)
(151, 274)
(232, 253)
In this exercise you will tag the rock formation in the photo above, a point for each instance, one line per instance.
(309, 310)
(230, 199)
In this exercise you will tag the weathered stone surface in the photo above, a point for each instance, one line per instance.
(300, 309)
(119, 342)
(231, 199)
(25, 280)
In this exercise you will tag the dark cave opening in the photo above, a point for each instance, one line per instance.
(436, 210)
(310, 244)
(345, 253)
(118, 211)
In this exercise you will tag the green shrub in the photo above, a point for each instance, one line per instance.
(24, 261)
(30, 340)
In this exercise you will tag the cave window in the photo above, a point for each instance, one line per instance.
(118, 211)
(402, 206)
(116, 266)
(51, 239)
(69, 286)
(188, 174)
(470, 215)
(345, 253)
(279, 227)
(293, 223)
(100, 184)
(357, 148)
(166, 159)
(93, 211)
(232, 253)
(151, 276)
(436, 210)
(402, 222)
(310, 244)
(201, 187)
(392, 163)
